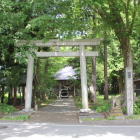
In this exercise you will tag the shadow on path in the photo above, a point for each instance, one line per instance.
(63, 110)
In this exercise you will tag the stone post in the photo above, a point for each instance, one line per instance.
(129, 91)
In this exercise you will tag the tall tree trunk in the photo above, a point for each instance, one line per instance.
(34, 91)
(105, 73)
(10, 94)
(15, 96)
(46, 65)
(2, 97)
(121, 82)
(43, 94)
(36, 80)
(93, 86)
(127, 53)
(23, 93)
(128, 67)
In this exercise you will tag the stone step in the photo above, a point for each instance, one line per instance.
(116, 110)
(116, 114)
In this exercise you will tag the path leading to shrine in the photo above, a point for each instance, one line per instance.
(63, 110)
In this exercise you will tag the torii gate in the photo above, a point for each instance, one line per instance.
(57, 43)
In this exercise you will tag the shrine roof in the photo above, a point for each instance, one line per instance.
(65, 73)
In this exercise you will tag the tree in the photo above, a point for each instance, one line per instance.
(93, 78)
(120, 16)
(105, 72)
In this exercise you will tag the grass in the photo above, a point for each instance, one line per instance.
(135, 117)
(17, 118)
(102, 105)
(78, 101)
(47, 102)
(111, 118)
(92, 119)
(99, 101)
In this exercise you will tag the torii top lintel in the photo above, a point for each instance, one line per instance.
(67, 42)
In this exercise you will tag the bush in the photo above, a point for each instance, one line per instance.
(123, 110)
(6, 108)
(137, 107)
(78, 101)
(101, 108)
(52, 96)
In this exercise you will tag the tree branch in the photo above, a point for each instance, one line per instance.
(133, 15)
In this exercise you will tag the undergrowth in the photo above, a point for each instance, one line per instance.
(6, 108)
(17, 118)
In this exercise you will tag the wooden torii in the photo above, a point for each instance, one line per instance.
(57, 43)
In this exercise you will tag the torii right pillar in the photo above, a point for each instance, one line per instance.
(83, 79)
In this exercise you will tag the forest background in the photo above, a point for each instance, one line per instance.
(116, 21)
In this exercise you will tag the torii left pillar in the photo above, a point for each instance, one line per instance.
(29, 83)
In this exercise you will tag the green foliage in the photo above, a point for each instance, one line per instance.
(79, 105)
(102, 107)
(92, 119)
(78, 98)
(134, 117)
(123, 110)
(17, 118)
(47, 19)
(51, 96)
(78, 101)
(111, 118)
(137, 107)
(6, 108)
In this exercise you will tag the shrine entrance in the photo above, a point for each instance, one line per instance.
(81, 43)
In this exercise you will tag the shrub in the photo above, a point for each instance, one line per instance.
(52, 96)
(102, 107)
(6, 108)
(78, 101)
(137, 107)
(123, 110)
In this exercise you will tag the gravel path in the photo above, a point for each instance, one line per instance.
(63, 110)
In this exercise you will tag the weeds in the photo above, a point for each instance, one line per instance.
(92, 119)
(101, 108)
(133, 117)
(17, 118)
(111, 118)
(78, 101)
